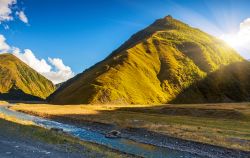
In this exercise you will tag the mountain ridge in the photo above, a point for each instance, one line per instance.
(24, 79)
(152, 67)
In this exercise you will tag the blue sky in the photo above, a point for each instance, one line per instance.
(83, 32)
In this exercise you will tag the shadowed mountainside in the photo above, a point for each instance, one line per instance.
(20, 82)
(16, 94)
(228, 84)
(154, 66)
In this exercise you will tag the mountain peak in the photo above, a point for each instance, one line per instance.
(154, 66)
(168, 17)
(166, 23)
(15, 74)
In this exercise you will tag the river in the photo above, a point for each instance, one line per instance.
(123, 145)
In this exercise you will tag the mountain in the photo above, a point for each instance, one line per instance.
(20, 82)
(228, 84)
(154, 66)
(58, 85)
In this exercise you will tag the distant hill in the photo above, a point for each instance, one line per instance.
(154, 66)
(20, 82)
(58, 85)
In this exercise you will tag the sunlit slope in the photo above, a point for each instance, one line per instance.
(17, 76)
(228, 84)
(153, 66)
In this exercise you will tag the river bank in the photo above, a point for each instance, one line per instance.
(226, 125)
(19, 138)
(123, 146)
(138, 123)
(153, 138)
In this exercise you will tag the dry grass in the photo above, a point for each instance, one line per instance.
(15, 120)
(3, 103)
(226, 125)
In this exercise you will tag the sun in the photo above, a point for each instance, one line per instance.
(233, 40)
(241, 38)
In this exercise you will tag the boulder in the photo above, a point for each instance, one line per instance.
(113, 134)
(56, 129)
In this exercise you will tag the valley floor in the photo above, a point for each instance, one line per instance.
(225, 125)
(23, 139)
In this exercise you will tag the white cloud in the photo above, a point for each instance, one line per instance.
(5, 10)
(22, 17)
(4, 47)
(57, 71)
(61, 73)
(54, 69)
(29, 58)
(240, 40)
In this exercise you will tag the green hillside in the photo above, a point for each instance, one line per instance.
(228, 84)
(19, 80)
(154, 66)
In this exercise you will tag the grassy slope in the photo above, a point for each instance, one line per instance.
(228, 84)
(25, 129)
(225, 125)
(152, 67)
(14, 71)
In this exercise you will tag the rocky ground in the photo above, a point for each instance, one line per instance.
(157, 139)
(13, 145)
(19, 141)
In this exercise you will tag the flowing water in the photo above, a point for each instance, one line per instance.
(123, 145)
